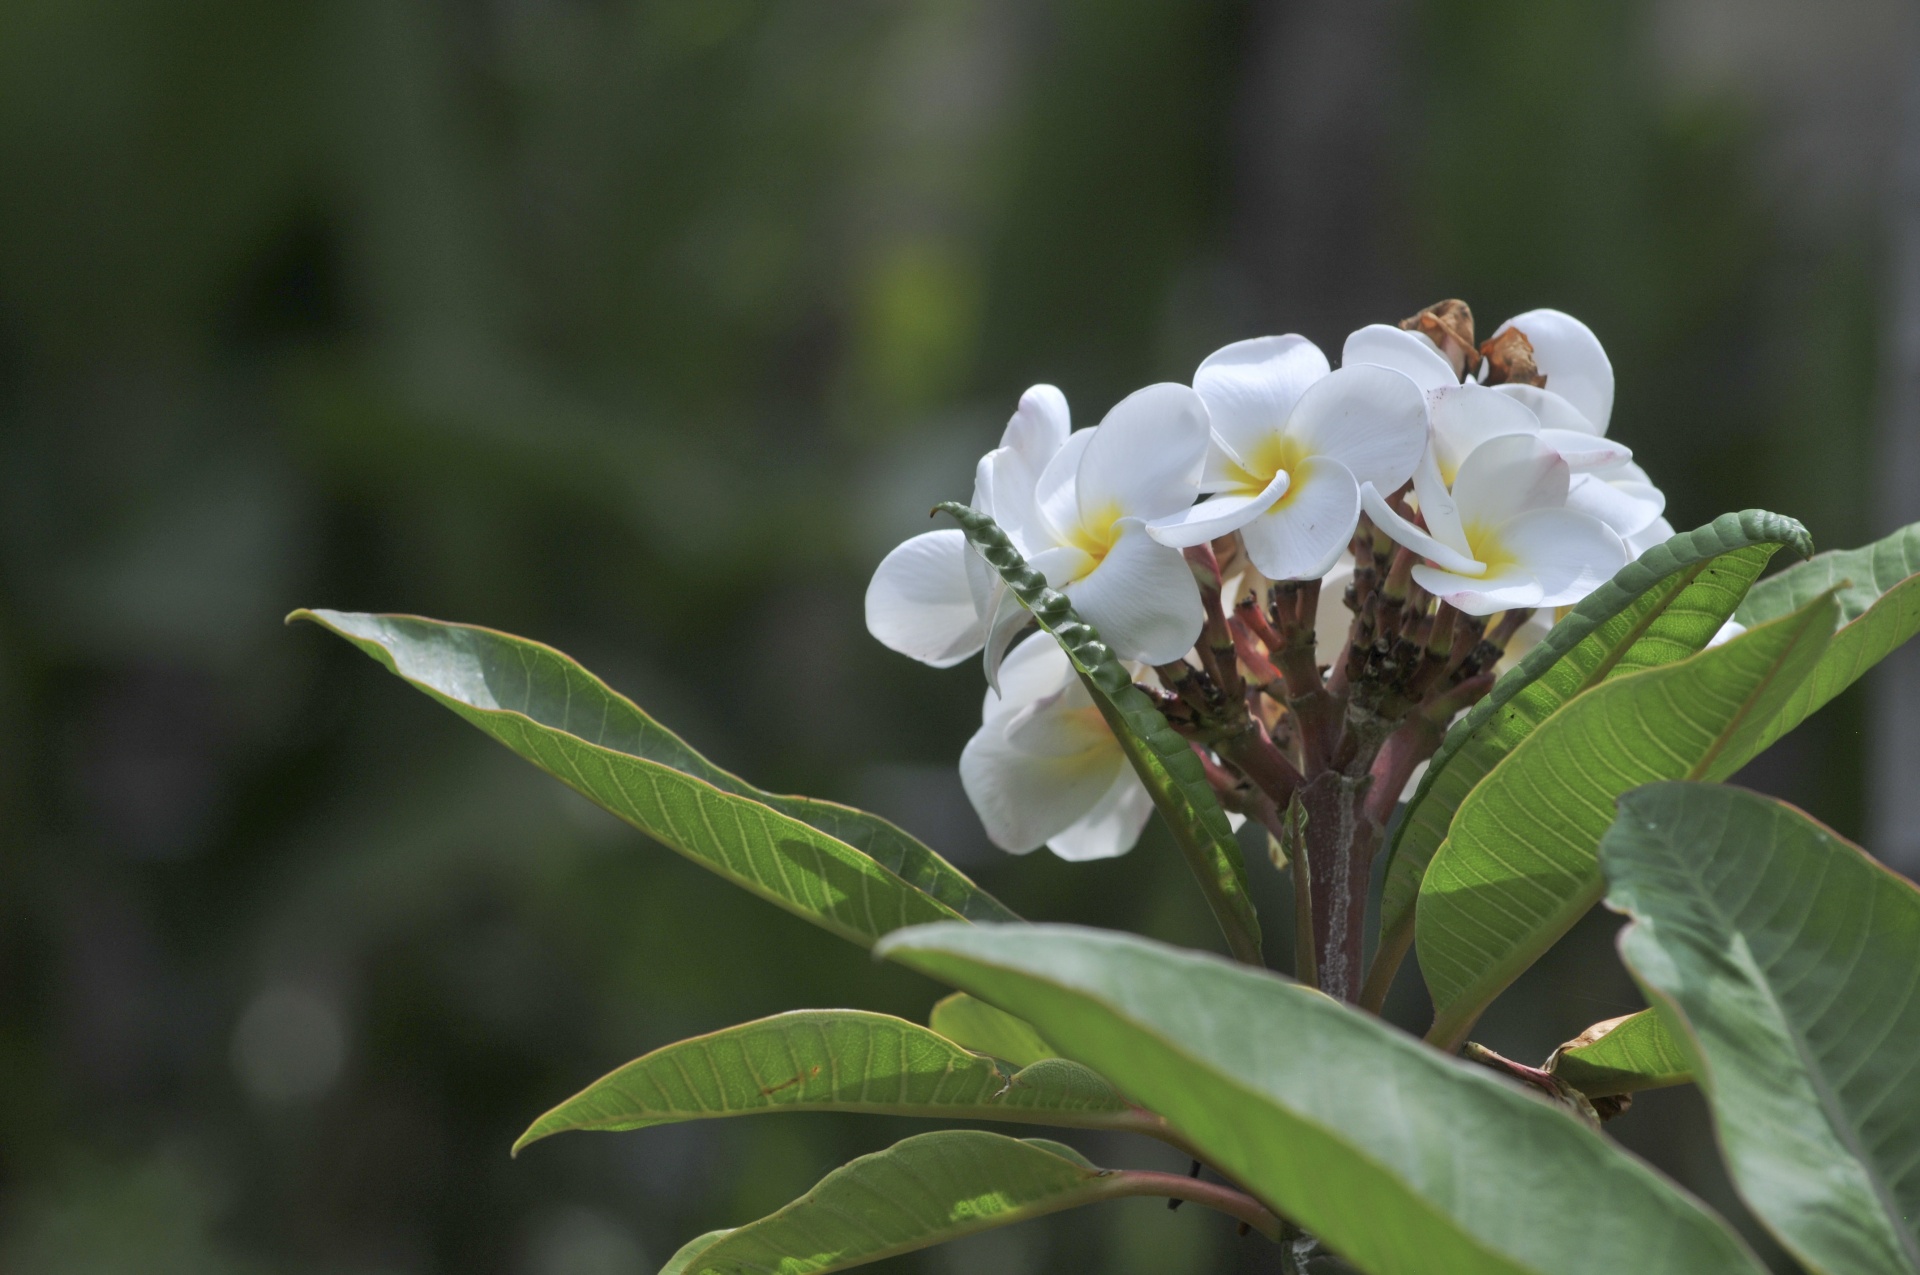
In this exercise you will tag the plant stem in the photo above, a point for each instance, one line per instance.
(1235, 1204)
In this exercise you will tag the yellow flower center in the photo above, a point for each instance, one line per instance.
(1486, 546)
(1096, 531)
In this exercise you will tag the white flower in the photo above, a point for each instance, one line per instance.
(1292, 443)
(1502, 537)
(1044, 769)
(1659, 531)
(929, 598)
(1578, 394)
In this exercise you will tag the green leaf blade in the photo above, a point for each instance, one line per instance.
(836, 1060)
(1520, 864)
(847, 871)
(1789, 961)
(1878, 590)
(1662, 607)
(1163, 760)
(1404, 1161)
(1633, 1053)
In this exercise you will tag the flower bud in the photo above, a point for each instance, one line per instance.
(1509, 357)
(1449, 325)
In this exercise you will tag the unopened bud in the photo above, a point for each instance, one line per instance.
(1510, 360)
(1449, 325)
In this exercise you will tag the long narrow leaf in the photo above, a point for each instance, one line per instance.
(1402, 1160)
(837, 1060)
(928, 1190)
(1520, 865)
(1878, 589)
(850, 872)
(1163, 759)
(1790, 961)
(1660, 608)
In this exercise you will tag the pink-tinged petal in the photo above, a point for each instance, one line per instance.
(1509, 475)
(1437, 509)
(920, 604)
(1569, 553)
(1657, 532)
(1371, 419)
(1250, 387)
(1112, 827)
(1303, 535)
(1572, 359)
(1553, 411)
(1022, 800)
(1507, 590)
(1142, 597)
(1586, 453)
(1465, 416)
(1218, 515)
(1039, 427)
(1056, 496)
(1404, 533)
(1033, 670)
(1408, 353)
(1144, 460)
(1627, 507)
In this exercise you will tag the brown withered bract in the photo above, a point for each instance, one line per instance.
(1449, 325)
(1509, 359)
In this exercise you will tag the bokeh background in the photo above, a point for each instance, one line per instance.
(645, 329)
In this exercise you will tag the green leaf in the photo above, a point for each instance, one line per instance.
(985, 1030)
(1879, 595)
(1520, 865)
(1164, 761)
(1790, 961)
(1401, 1159)
(837, 1060)
(928, 1190)
(1660, 608)
(1622, 1055)
(847, 871)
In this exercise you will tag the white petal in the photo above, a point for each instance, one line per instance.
(1064, 724)
(1408, 353)
(1506, 476)
(920, 604)
(1142, 597)
(1657, 532)
(1371, 419)
(1112, 827)
(1218, 515)
(1040, 426)
(1005, 622)
(1402, 532)
(1627, 507)
(1505, 590)
(1033, 670)
(1250, 387)
(1465, 416)
(1054, 495)
(1144, 460)
(1586, 453)
(1554, 412)
(1023, 800)
(1302, 536)
(1004, 488)
(1437, 509)
(1063, 564)
(1569, 553)
(1570, 356)
(1332, 622)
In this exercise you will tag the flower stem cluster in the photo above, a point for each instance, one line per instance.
(1312, 571)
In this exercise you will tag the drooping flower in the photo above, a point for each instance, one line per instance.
(1076, 506)
(1502, 537)
(929, 598)
(1292, 443)
(1045, 769)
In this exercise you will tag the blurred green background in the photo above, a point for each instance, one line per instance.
(645, 329)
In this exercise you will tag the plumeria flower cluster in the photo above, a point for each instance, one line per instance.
(1312, 569)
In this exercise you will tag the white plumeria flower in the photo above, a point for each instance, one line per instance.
(1502, 537)
(1623, 497)
(1659, 531)
(1044, 768)
(1292, 443)
(1578, 394)
(929, 598)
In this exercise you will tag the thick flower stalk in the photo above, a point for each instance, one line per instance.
(1321, 568)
